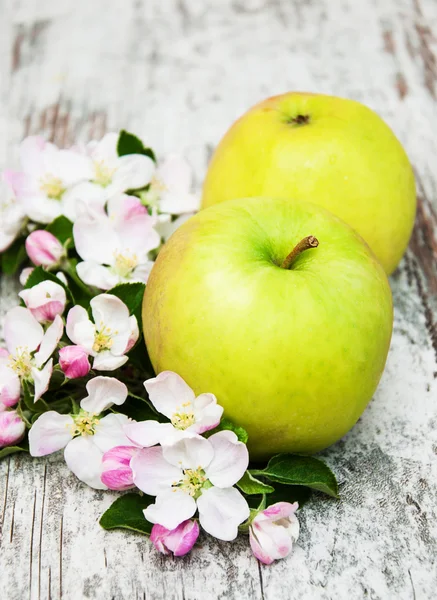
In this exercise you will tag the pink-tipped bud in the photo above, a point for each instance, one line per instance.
(9, 382)
(45, 300)
(74, 362)
(12, 428)
(44, 249)
(116, 471)
(273, 532)
(179, 541)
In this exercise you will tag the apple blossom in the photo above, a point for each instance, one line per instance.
(86, 436)
(48, 177)
(174, 398)
(191, 473)
(12, 428)
(74, 362)
(45, 300)
(43, 248)
(111, 335)
(23, 336)
(11, 213)
(178, 541)
(9, 382)
(273, 531)
(116, 471)
(25, 274)
(114, 245)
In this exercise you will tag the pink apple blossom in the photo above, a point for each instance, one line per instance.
(74, 362)
(43, 248)
(178, 541)
(273, 532)
(9, 381)
(12, 428)
(45, 300)
(116, 471)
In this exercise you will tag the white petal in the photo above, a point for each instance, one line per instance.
(80, 329)
(103, 392)
(50, 341)
(84, 459)
(152, 474)
(167, 228)
(105, 149)
(168, 392)
(171, 508)
(95, 239)
(21, 329)
(41, 379)
(109, 432)
(72, 167)
(137, 235)
(142, 272)
(134, 172)
(50, 432)
(221, 511)
(148, 433)
(175, 173)
(9, 384)
(134, 333)
(178, 204)
(110, 312)
(105, 361)
(77, 199)
(230, 461)
(207, 413)
(41, 209)
(97, 275)
(31, 154)
(188, 451)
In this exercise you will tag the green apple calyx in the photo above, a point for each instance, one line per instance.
(305, 244)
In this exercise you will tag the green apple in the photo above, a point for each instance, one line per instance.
(331, 151)
(290, 337)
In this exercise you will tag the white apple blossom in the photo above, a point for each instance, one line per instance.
(46, 184)
(45, 300)
(11, 212)
(115, 244)
(30, 348)
(273, 531)
(86, 436)
(9, 382)
(193, 473)
(109, 337)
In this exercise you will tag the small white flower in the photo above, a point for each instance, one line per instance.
(45, 300)
(85, 436)
(11, 212)
(273, 532)
(194, 473)
(114, 245)
(24, 335)
(109, 337)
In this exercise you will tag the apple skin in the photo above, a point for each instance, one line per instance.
(345, 159)
(294, 356)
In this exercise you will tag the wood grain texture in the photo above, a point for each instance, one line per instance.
(178, 73)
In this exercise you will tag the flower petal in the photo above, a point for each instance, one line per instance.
(171, 508)
(221, 511)
(105, 361)
(168, 392)
(103, 392)
(116, 471)
(179, 541)
(77, 200)
(50, 432)
(188, 451)
(41, 379)
(148, 433)
(134, 171)
(50, 341)
(110, 311)
(97, 275)
(9, 386)
(207, 413)
(21, 329)
(109, 432)
(80, 329)
(152, 474)
(95, 239)
(84, 459)
(231, 459)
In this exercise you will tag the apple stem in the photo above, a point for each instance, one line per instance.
(308, 242)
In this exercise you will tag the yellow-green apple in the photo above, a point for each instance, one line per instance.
(331, 151)
(281, 310)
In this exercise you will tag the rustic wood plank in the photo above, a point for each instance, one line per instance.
(178, 73)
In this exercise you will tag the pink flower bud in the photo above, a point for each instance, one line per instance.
(273, 532)
(12, 428)
(179, 540)
(45, 300)
(116, 471)
(74, 362)
(43, 248)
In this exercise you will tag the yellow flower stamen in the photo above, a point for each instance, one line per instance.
(125, 264)
(84, 424)
(183, 417)
(102, 173)
(51, 186)
(193, 481)
(103, 339)
(21, 363)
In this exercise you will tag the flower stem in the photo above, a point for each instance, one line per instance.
(305, 244)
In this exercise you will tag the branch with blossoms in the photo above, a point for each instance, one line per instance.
(75, 374)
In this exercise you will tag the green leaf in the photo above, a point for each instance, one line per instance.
(13, 257)
(39, 274)
(62, 228)
(301, 470)
(132, 295)
(127, 513)
(289, 493)
(240, 432)
(128, 143)
(11, 450)
(250, 485)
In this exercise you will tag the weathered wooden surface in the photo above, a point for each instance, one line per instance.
(178, 72)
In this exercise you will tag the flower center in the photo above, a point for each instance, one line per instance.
(102, 173)
(183, 418)
(103, 339)
(84, 424)
(125, 263)
(21, 363)
(51, 186)
(192, 482)
(157, 185)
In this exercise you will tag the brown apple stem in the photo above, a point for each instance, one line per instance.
(308, 242)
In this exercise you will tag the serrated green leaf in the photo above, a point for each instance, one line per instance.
(132, 295)
(128, 143)
(62, 229)
(250, 485)
(11, 450)
(240, 432)
(301, 470)
(39, 274)
(13, 257)
(127, 513)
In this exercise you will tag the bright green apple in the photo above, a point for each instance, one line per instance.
(331, 151)
(293, 354)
